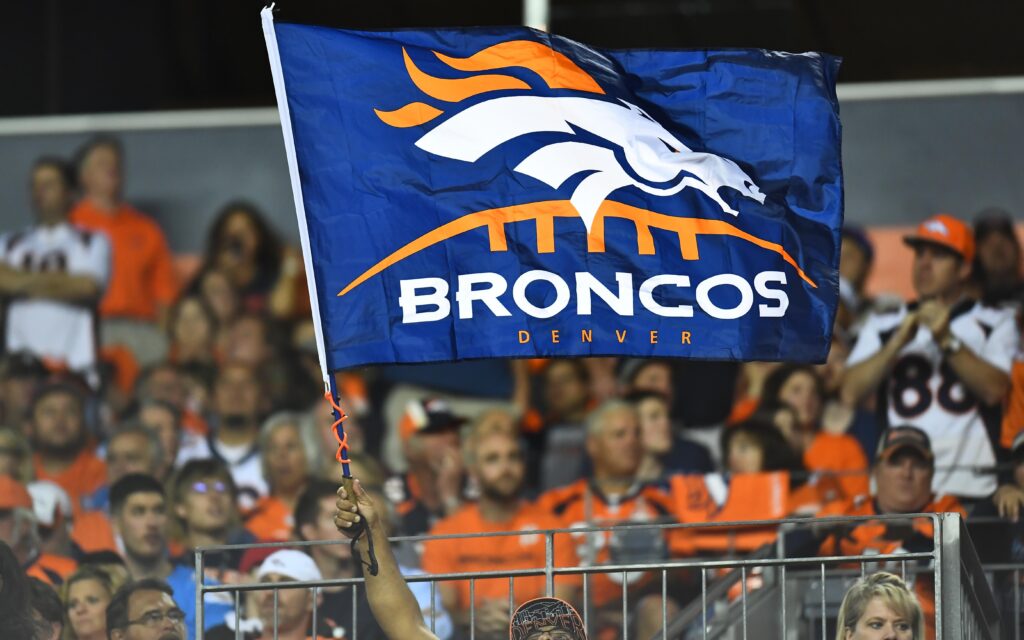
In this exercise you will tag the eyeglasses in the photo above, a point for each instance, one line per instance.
(156, 618)
(210, 487)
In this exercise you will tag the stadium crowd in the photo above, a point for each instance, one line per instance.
(143, 414)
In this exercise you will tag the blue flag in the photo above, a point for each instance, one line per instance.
(478, 193)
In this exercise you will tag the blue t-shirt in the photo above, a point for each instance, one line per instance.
(217, 605)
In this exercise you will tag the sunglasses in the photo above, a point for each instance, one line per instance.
(210, 487)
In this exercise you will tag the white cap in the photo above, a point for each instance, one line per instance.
(47, 498)
(294, 564)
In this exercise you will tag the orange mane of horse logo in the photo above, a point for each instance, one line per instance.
(658, 163)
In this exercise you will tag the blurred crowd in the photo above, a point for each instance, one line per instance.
(144, 414)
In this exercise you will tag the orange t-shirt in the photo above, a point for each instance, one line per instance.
(839, 453)
(51, 569)
(499, 553)
(85, 475)
(142, 274)
(271, 520)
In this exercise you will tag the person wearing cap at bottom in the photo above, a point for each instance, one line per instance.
(903, 474)
(941, 361)
(546, 619)
(294, 605)
(434, 485)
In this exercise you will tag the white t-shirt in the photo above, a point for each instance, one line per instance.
(52, 329)
(923, 390)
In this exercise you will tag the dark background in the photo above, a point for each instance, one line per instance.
(64, 56)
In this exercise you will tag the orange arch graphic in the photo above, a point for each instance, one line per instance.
(410, 115)
(544, 213)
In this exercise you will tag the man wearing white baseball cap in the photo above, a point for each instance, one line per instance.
(294, 606)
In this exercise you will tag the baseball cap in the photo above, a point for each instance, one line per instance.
(904, 437)
(429, 415)
(13, 494)
(47, 499)
(946, 231)
(290, 563)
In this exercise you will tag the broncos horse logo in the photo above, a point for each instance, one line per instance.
(656, 161)
(641, 153)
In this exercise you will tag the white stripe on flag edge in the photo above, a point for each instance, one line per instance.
(293, 174)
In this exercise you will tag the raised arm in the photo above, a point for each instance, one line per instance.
(391, 601)
(864, 377)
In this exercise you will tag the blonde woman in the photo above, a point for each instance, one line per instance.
(86, 595)
(880, 606)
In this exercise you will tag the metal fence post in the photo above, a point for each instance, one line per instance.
(549, 563)
(948, 600)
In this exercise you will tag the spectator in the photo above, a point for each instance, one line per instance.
(46, 610)
(567, 399)
(664, 452)
(20, 374)
(291, 457)
(238, 404)
(314, 515)
(856, 257)
(756, 447)
(220, 295)
(390, 598)
(19, 531)
(142, 280)
(139, 513)
(163, 420)
(192, 331)
(131, 449)
(495, 461)
(822, 448)
(433, 486)
(612, 496)
(939, 361)
(146, 609)
(998, 260)
(289, 609)
(267, 275)
(53, 515)
(64, 452)
(51, 276)
(251, 340)
(15, 598)
(903, 474)
(205, 513)
(880, 605)
(15, 455)
(86, 595)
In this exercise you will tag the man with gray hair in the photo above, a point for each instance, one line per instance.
(132, 449)
(610, 496)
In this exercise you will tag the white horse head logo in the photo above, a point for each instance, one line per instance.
(656, 162)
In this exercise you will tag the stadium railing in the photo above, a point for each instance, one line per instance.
(764, 594)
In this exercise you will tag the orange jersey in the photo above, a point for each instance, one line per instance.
(502, 553)
(840, 453)
(51, 569)
(270, 520)
(85, 475)
(142, 274)
(1013, 412)
(582, 504)
(869, 538)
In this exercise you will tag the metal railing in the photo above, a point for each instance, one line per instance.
(723, 597)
